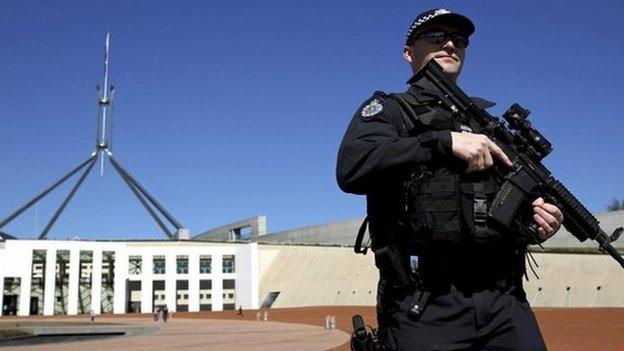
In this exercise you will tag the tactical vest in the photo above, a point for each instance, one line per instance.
(442, 203)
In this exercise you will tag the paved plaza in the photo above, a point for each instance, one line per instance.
(182, 334)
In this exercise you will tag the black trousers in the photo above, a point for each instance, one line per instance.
(488, 319)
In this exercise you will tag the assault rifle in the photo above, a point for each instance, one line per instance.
(529, 178)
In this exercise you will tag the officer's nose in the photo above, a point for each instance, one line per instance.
(449, 44)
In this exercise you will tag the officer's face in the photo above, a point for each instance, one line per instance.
(446, 54)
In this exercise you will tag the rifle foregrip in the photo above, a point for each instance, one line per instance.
(577, 219)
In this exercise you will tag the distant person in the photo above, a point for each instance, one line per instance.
(449, 278)
(157, 313)
(92, 314)
(165, 313)
(240, 311)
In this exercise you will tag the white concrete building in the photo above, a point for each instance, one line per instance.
(47, 277)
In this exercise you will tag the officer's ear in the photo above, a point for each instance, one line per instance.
(407, 54)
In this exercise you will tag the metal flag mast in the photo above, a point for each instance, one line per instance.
(103, 149)
(104, 121)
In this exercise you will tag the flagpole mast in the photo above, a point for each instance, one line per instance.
(105, 104)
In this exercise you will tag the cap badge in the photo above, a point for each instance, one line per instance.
(373, 108)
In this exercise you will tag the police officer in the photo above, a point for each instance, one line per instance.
(449, 280)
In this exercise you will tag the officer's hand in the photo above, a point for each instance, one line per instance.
(548, 217)
(477, 151)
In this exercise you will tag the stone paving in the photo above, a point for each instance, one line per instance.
(182, 334)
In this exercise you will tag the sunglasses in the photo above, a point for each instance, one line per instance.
(439, 36)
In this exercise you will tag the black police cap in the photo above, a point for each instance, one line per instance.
(439, 15)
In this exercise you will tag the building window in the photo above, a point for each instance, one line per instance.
(159, 264)
(205, 264)
(182, 264)
(228, 264)
(135, 264)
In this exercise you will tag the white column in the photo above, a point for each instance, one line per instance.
(96, 282)
(1, 295)
(121, 275)
(147, 271)
(25, 282)
(170, 281)
(193, 282)
(217, 282)
(247, 276)
(74, 270)
(49, 281)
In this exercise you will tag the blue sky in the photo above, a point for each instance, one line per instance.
(226, 110)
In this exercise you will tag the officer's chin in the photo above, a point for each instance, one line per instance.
(447, 66)
(452, 71)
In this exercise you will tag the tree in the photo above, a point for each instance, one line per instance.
(615, 205)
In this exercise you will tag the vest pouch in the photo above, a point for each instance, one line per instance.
(471, 193)
(432, 209)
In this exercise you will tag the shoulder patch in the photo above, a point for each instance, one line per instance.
(372, 108)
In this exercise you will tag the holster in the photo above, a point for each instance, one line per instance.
(392, 266)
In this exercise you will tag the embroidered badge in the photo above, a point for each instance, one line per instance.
(373, 108)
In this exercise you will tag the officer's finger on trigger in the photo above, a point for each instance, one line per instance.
(499, 153)
(489, 161)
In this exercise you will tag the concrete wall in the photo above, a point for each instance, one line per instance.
(232, 231)
(343, 233)
(576, 280)
(333, 276)
(317, 276)
(609, 221)
(336, 233)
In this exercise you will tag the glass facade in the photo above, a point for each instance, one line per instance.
(134, 294)
(10, 301)
(158, 294)
(229, 264)
(108, 282)
(61, 286)
(229, 294)
(205, 295)
(159, 264)
(135, 265)
(205, 264)
(37, 282)
(182, 295)
(84, 286)
(182, 264)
